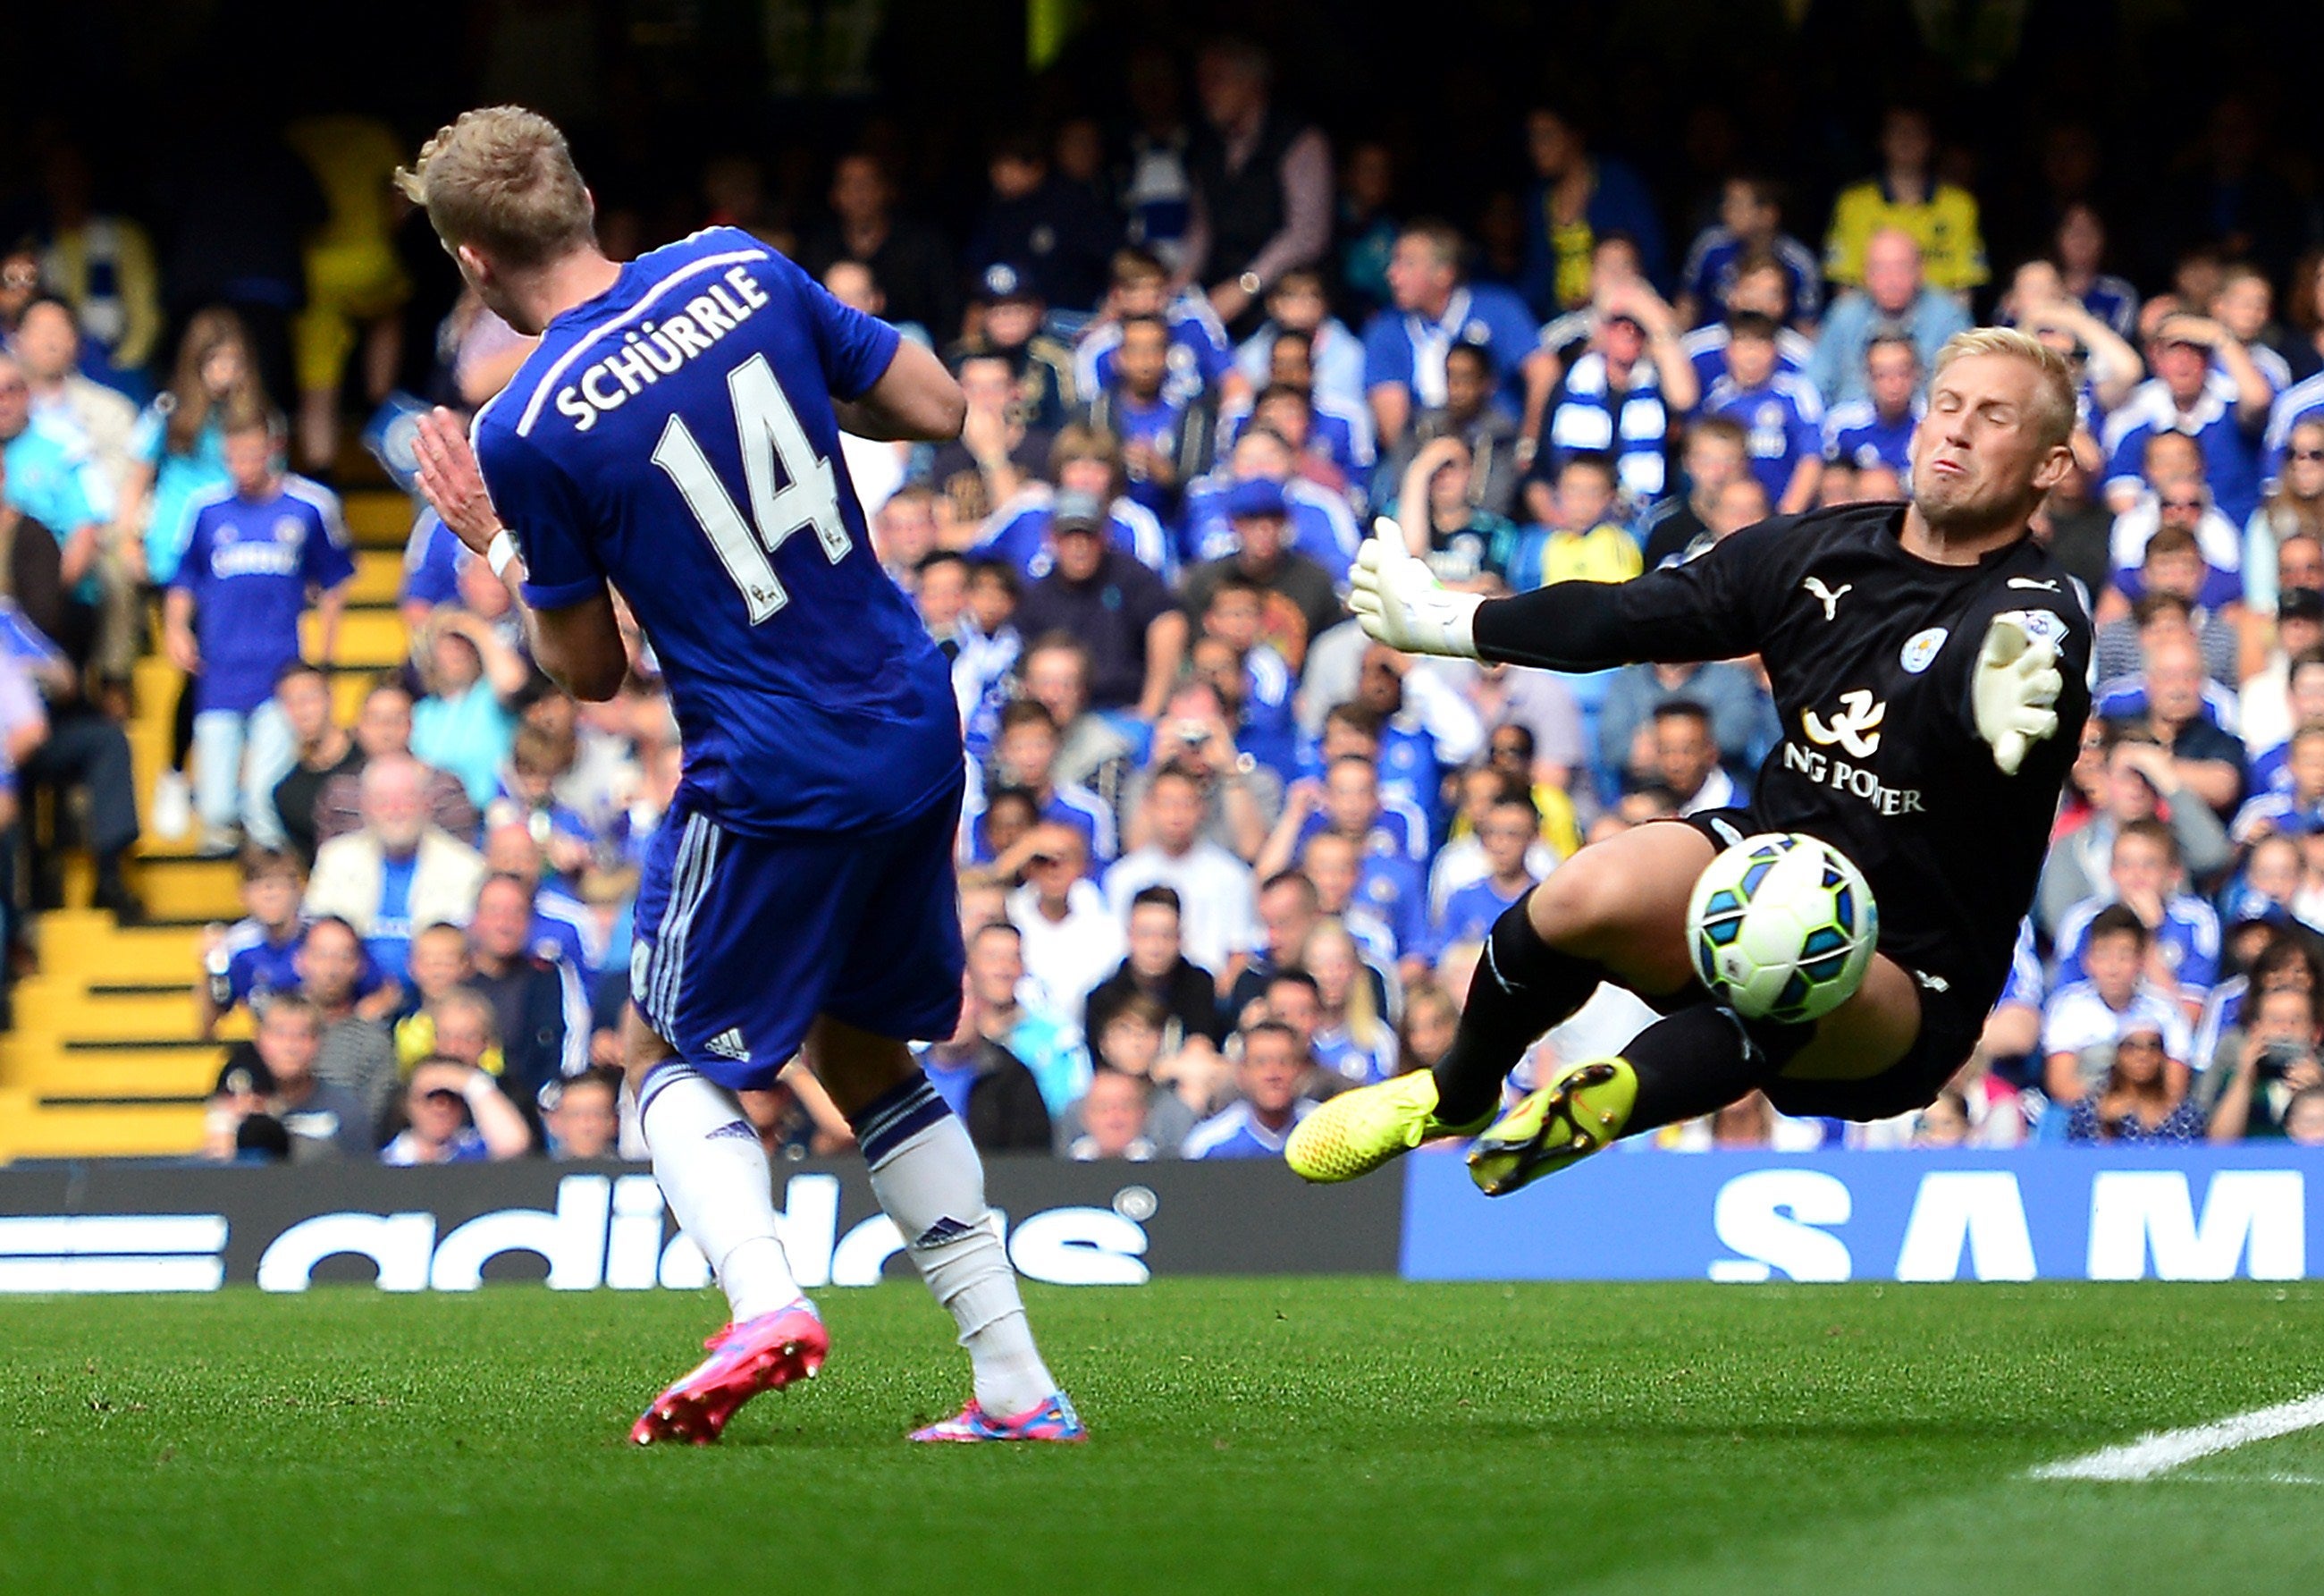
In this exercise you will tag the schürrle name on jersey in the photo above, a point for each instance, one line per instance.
(1829, 770)
(654, 349)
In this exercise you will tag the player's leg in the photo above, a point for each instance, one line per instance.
(1614, 911)
(712, 1170)
(903, 978)
(930, 1180)
(1694, 1062)
(712, 978)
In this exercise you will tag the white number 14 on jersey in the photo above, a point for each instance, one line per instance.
(791, 487)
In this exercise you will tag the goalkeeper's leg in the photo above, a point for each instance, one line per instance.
(1852, 1063)
(1614, 911)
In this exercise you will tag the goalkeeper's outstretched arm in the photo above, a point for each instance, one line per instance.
(1701, 611)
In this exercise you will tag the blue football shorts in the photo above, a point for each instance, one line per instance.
(742, 941)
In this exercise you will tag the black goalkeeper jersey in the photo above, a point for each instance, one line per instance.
(1870, 651)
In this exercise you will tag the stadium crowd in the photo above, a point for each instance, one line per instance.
(1223, 855)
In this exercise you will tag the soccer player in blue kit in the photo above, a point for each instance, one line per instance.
(676, 439)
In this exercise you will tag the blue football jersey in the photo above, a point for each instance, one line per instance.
(250, 564)
(675, 437)
(1855, 435)
(1782, 421)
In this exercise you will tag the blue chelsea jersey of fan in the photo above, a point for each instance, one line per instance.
(675, 437)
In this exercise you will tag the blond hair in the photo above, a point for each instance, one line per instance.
(2055, 385)
(503, 180)
(1357, 1014)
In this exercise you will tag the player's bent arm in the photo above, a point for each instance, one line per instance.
(914, 400)
(580, 647)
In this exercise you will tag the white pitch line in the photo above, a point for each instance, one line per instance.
(2159, 1453)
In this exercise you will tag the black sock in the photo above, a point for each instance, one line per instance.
(1699, 1060)
(1522, 987)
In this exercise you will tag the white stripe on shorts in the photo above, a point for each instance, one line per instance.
(683, 875)
(698, 888)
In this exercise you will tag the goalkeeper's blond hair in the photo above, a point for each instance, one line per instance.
(2054, 389)
(501, 181)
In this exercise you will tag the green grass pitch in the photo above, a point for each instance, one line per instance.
(1278, 1436)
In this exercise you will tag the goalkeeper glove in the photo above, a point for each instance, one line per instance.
(1400, 601)
(2014, 692)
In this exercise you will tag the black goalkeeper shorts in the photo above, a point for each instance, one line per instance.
(1949, 1030)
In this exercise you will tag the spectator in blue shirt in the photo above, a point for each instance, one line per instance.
(1405, 344)
(1259, 481)
(1267, 1081)
(1195, 359)
(1760, 285)
(2146, 875)
(1877, 430)
(2079, 247)
(1296, 304)
(1351, 803)
(258, 555)
(1781, 417)
(1895, 297)
(1254, 686)
(1617, 399)
(1353, 1038)
(2206, 386)
(1506, 834)
(53, 482)
(177, 450)
(1579, 199)
(1750, 224)
(1332, 449)
(257, 954)
(1087, 464)
(1742, 717)
(1164, 435)
(1025, 755)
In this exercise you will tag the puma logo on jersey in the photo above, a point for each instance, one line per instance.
(2029, 582)
(1855, 726)
(1830, 597)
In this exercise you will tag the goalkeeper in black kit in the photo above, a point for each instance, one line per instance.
(1928, 663)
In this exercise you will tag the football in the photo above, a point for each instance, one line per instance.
(1781, 926)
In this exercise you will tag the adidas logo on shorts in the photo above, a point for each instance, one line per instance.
(729, 1044)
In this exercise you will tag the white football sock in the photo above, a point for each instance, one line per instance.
(931, 1183)
(713, 1174)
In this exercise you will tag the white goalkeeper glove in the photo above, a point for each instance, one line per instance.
(1400, 601)
(2014, 692)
